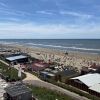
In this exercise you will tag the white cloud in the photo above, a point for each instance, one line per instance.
(12, 19)
(11, 12)
(81, 15)
(29, 30)
(44, 12)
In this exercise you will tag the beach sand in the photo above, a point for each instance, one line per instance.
(75, 59)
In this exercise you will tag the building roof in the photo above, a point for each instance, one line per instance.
(47, 73)
(68, 72)
(17, 89)
(89, 79)
(95, 87)
(16, 57)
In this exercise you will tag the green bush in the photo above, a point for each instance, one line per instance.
(9, 73)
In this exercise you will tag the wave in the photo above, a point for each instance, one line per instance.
(52, 46)
(4, 42)
(63, 47)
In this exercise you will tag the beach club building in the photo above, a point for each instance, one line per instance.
(89, 82)
(58, 75)
(17, 59)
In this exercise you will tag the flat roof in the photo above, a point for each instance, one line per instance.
(47, 73)
(89, 79)
(17, 89)
(54, 71)
(50, 74)
(95, 87)
(16, 57)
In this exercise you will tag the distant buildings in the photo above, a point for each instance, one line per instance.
(58, 75)
(92, 69)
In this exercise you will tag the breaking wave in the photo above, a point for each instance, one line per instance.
(64, 47)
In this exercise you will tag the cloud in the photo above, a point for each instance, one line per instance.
(44, 12)
(29, 30)
(75, 14)
(3, 4)
(7, 11)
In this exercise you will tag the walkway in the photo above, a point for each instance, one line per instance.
(4, 62)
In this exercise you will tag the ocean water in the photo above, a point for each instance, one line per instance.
(82, 45)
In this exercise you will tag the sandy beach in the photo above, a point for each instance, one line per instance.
(75, 59)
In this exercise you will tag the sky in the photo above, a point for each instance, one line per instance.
(49, 19)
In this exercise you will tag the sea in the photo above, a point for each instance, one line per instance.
(81, 45)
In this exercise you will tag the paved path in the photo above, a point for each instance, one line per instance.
(4, 62)
(30, 77)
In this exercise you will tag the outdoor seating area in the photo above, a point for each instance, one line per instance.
(39, 65)
(58, 73)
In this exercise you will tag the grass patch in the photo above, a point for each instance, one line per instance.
(45, 94)
(9, 73)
